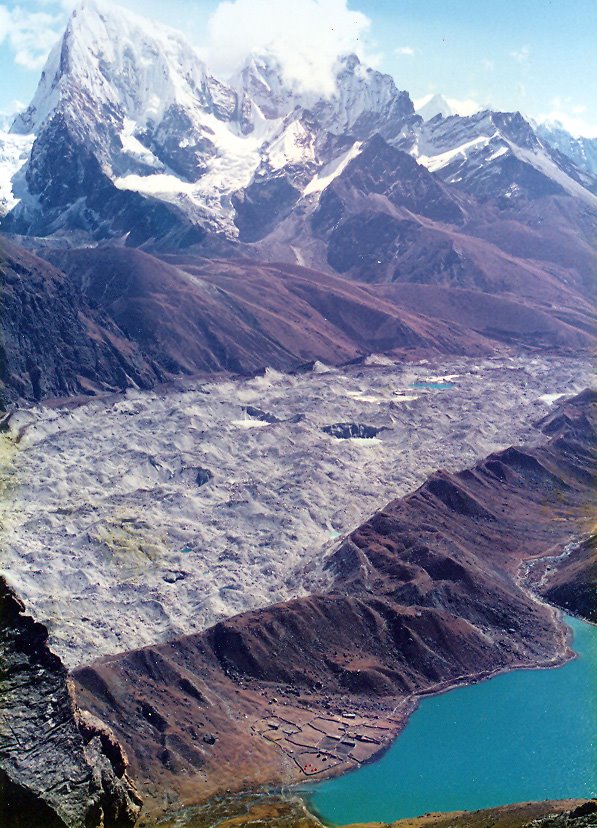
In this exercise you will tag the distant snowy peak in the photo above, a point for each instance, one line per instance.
(492, 155)
(581, 150)
(433, 105)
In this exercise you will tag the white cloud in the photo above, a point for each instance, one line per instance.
(521, 55)
(306, 36)
(488, 64)
(572, 122)
(30, 35)
(568, 114)
(5, 17)
(13, 108)
(405, 50)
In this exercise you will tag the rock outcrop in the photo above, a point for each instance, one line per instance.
(59, 767)
(349, 431)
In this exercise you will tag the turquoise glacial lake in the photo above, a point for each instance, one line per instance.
(525, 735)
(436, 386)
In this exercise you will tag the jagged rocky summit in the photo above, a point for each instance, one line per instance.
(130, 137)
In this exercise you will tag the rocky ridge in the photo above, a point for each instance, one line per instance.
(54, 343)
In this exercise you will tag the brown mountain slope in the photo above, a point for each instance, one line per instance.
(497, 317)
(111, 318)
(51, 341)
(189, 314)
(193, 314)
(387, 219)
(424, 595)
(569, 580)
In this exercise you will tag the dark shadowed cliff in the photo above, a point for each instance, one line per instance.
(59, 768)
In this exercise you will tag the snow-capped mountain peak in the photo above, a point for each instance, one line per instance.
(139, 94)
(260, 80)
(365, 101)
(112, 57)
(492, 154)
(127, 108)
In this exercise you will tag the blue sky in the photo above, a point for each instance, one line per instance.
(533, 55)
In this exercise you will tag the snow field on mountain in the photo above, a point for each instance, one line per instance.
(14, 152)
(114, 539)
(442, 159)
(332, 170)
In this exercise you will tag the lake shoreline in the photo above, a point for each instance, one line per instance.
(272, 811)
(411, 703)
(562, 659)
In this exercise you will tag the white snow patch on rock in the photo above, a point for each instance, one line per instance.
(332, 170)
